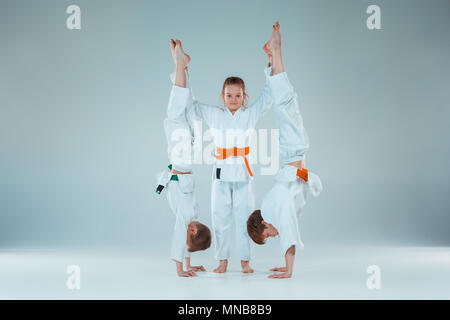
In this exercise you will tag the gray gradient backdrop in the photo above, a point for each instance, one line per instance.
(81, 133)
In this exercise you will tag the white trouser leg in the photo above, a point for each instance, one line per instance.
(294, 141)
(221, 217)
(243, 204)
(178, 133)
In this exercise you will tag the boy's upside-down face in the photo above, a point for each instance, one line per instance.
(198, 237)
(269, 230)
(258, 229)
(191, 231)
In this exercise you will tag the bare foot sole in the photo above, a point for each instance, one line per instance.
(180, 54)
(266, 48)
(246, 266)
(275, 39)
(222, 268)
(247, 270)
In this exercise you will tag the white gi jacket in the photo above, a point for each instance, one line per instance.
(283, 204)
(233, 131)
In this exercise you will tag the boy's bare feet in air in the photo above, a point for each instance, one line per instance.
(246, 267)
(266, 48)
(275, 39)
(178, 54)
(222, 268)
(269, 53)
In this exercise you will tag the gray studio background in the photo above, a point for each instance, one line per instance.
(81, 111)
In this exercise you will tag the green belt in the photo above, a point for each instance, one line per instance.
(173, 177)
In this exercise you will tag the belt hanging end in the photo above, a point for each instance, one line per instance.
(303, 174)
(159, 189)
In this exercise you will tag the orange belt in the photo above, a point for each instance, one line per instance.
(303, 174)
(234, 152)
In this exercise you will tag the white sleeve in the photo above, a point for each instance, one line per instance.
(206, 112)
(179, 238)
(264, 101)
(293, 139)
(196, 109)
(183, 203)
(289, 231)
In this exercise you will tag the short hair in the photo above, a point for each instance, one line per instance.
(255, 227)
(201, 240)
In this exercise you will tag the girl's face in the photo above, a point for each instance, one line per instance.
(233, 97)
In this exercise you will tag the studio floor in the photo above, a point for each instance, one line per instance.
(320, 273)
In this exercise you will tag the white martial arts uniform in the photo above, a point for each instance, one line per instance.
(180, 189)
(282, 205)
(232, 188)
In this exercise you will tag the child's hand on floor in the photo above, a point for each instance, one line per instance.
(285, 273)
(279, 269)
(196, 268)
(188, 273)
(280, 275)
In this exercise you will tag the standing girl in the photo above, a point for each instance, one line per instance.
(232, 194)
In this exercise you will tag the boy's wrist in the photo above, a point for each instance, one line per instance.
(179, 266)
(187, 263)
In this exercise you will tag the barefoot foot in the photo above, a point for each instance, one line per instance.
(180, 55)
(222, 268)
(267, 50)
(246, 267)
(275, 39)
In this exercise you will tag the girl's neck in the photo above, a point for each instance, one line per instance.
(234, 111)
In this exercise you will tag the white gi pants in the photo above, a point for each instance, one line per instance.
(231, 199)
(294, 141)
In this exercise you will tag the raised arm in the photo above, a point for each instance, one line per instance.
(264, 101)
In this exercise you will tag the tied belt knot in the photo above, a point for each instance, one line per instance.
(303, 174)
(224, 153)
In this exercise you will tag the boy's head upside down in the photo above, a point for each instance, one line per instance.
(198, 237)
(258, 229)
